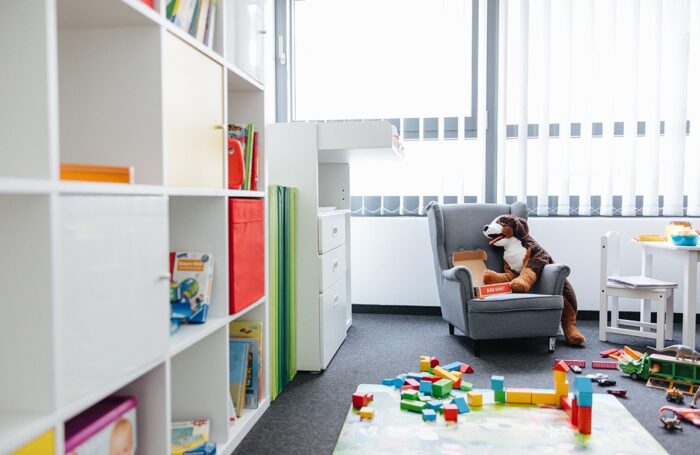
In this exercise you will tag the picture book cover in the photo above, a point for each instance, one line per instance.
(252, 373)
(107, 427)
(238, 362)
(246, 329)
(190, 289)
(190, 438)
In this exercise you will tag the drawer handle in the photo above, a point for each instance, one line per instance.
(335, 230)
(335, 266)
(336, 299)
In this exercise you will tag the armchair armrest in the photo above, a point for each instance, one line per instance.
(552, 280)
(461, 275)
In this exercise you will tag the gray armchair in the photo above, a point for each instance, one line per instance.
(456, 227)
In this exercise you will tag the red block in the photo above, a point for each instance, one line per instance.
(578, 363)
(359, 399)
(246, 252)
(607, 352)
(604, 365)
(574, 412)
(566, 405)
(407, 387)
(434, 362)
(457, 383)
(560, 365)
(466, 369)
(370, 396)
(450, 412)
(432, 378)
(585, 415)
(415, 385)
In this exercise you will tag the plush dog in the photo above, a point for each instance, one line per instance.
(524, 259)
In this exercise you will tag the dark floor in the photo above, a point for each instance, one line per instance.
(308, 415)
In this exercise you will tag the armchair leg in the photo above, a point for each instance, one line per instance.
(477, 348)
(551, 344)
(452, 329)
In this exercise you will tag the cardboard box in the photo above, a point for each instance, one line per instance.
(473, 260)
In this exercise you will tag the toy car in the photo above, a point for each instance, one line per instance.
(669, 420)
(596, 376)
(622, 393)
(575, 368)
(674, 396)
(605, 382)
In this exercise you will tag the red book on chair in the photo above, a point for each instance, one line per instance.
(246, 252)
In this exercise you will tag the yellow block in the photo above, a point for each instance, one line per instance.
(366, 413)
(443, 373)
(475, 399)
(562, 388)
(522, 396)
(559, 376)
(545, 397)
(457, 374)
(424, 362)
(43, 445)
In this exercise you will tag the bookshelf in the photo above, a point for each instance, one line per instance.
(104, 82)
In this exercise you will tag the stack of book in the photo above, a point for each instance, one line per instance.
(196, 17)
(242, 157)
(245, 365)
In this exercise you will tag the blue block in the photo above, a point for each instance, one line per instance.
(454, 366)
(429, 415)
(497, 383)
(584, 399)
(389, 381)
(435, 404)
(462, 405)
(397, 382)
(416, 376)
(426, 387)
(582, 384)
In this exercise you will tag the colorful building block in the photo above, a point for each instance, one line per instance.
(424, 362)
(466, 369)
(398, 382)
(548, 397)
(425, 398)
(497, 383)
(434, 404)
(415, 376)
(406, 387)
(443, 373)
(450, 412)
(434, 362)
(454, 366)
(457, 384)
(366, 413)
(565, 404)
(583, 391)
(409, 395)
(415, 385)
(559, 376)
(425, 387)
(518, 396)
(442, 388)
(429, 415)
(432, 378)
(413, 406)
(466, 386)
(562, 388)
(585, 417)
(578, 363)
(561, 366)
(604, 365)
(461, 404)
(370, 397)
(475, 399)
(359, 399)
(584, 399)
(389, 381)
(499, 396)
(574, 412)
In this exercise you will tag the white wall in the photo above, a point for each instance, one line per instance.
(392, 262)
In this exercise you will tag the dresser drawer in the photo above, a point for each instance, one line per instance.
(331, 232)
(333, 313)
(332, 266)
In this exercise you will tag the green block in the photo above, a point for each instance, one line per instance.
(442, 388)
(413, 406)
(430, 370)
(499, 396)
(410, 395)
(425, 398)
(466, 386)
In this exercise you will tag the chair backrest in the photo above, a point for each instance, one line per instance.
(609, 256)
(455, 227)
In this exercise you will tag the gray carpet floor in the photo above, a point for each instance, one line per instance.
(307, 417)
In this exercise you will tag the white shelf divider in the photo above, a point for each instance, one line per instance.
(244, 424)
(18, 428)
(189, 334)
(247, 310)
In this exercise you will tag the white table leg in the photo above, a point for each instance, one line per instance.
(645, 305)
(689, 298)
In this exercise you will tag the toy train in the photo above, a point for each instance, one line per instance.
(661, 371)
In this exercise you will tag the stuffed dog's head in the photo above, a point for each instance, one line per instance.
(504, 228)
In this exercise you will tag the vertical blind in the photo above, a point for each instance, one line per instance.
(599, 109)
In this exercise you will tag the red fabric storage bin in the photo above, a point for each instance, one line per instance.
(246, 252)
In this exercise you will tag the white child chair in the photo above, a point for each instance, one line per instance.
(648, 289)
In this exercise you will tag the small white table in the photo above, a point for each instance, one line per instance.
(690, 256)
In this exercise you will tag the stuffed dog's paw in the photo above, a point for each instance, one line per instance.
(491, 277)
(517, 285)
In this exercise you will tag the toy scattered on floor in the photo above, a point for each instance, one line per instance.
(674, 395)
(620, 393)
(578, 363)
(596, 376)
(609, 352)
(604, 365)
(429, 415)
(669, 420)
(605, 382)
(360, 400)
(661, 371)
(681, 351)
(366, 413)
(575, 369)
(686, 414)
(450, 412)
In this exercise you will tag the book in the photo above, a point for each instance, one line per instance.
(254, 167)
(202, 20)
(238, 363)
(192, 30)
(191, 438)
(184, 17)
(252, 374)
(251, 330)
(235, 164)
(249, 156)
(190, 289)
(91, 431)
(172, 9)
(641, 282)
(492, 289)
(97, 173)
(211, 25)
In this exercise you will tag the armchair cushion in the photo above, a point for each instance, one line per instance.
(514, 316)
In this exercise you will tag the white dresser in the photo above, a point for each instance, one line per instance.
(314, 158)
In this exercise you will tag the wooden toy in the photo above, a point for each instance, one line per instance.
(359, 400)
(424, 362)
(585, 415)
(406, 387)
(366, 413)
(466, 386)
(426, 387)
(546, 397)
(461, 404)
(389, 382)
(466, 369)
(497, 383)
(398, 382)
(413, 406)
(518, 396)
(499, 396)
(475, 399)
(574, 412)
(457, 384)
(415, 376)
(560, 365)
(434, 404)
(409, 395)
(450, 412)
(432, 378)
(454, 366)
(434, 362)
(578, 363)
(370, 397)
(607, 352)
(443, 373)
(415, 385)
(442, 388)
(425, 398)
(429, 415)
(604, 365)
(621, 393)
(565, 404)
(562, 388)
